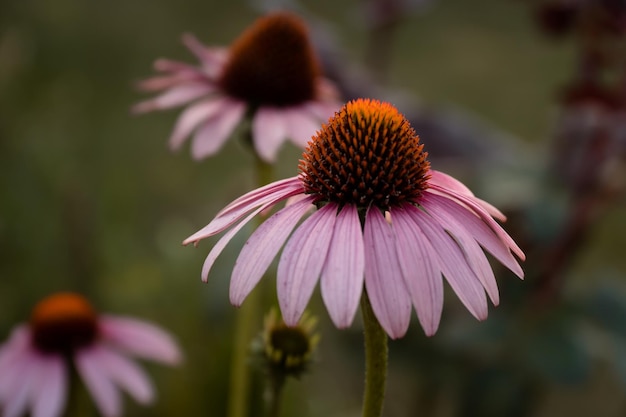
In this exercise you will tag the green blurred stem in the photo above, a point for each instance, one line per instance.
(245, 326)
(375, 361)
(275, 390)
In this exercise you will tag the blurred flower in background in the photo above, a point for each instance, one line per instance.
(365, 164)
(270, 73)
(64, 332)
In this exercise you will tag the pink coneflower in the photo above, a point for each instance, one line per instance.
(64, 332)
(382, 218)
(270, 72)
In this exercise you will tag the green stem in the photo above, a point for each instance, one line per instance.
(375, 361)
(245, 326)
(275, 390)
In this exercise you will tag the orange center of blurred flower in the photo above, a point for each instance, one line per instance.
(272, 63)
(63, 322)
(367, 154)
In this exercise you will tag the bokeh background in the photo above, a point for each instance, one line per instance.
(91, 199)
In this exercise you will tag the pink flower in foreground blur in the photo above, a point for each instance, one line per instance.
(64, 332)
(270, 72)
(383, 219)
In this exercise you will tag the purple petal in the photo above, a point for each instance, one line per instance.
(342, 276)
(126, 374)
(261, 248)
(383, 276)
(301, 126)
(474, 255)
(94, 373)
(52, 387)
(175, 67)
(269, 194)
(480, 231)
(446, 181)
(176, 96)
(421, 270)
(140, 338)
(453, 264)
(216, 130)
(162, 82)
(269, 132)
(302, 261)
(484, 215)
(192, 117)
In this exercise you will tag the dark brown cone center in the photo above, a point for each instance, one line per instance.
(63, 323)
(272, 63)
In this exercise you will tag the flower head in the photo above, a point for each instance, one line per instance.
(286, 351)
(270, 71)
(64, 331)
(383, 219)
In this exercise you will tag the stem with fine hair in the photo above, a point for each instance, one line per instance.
(375, 361)
(248, 315)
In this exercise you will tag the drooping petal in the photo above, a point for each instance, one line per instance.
(322, 110)
(21, 387)
(484, 215)
(126, 374)
(480, 231)
(270, 194)
(52, 387)
(214, 132)
(342, 277)
(162, 82)
(383, 276)
(453, 264)
(474, 255)
(301, 126)
(176, 96)
(301, 262)
(269, 132)
(140, 338)
(212, 59)
(221, 244)
(421, 270)
(192, 117)
(93, 372)
(261, 248)
(446, 181)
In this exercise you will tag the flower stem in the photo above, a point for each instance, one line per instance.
(245, 325)
(274, 395)
(375, 361)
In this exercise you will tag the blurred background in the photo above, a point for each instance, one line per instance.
(521, 100)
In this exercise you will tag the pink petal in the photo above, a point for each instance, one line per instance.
(342, 276)
(52, 387)
(453, 264)
(212, 59)
(193, 116)
(472, 251)
(126, 374)
(446, 181)
(19, 390)
(176, 96)
(176, 67)
(140, 338)
(322, 110)
(94, 373)
(216, 130)
(221, 244)
(478, 210)
(301, 126)
(421, 270)
(261, 248)
(383, 276)
(269, 131)
(269, 194)
(162, 82)
(481, 232)
(302, 261)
